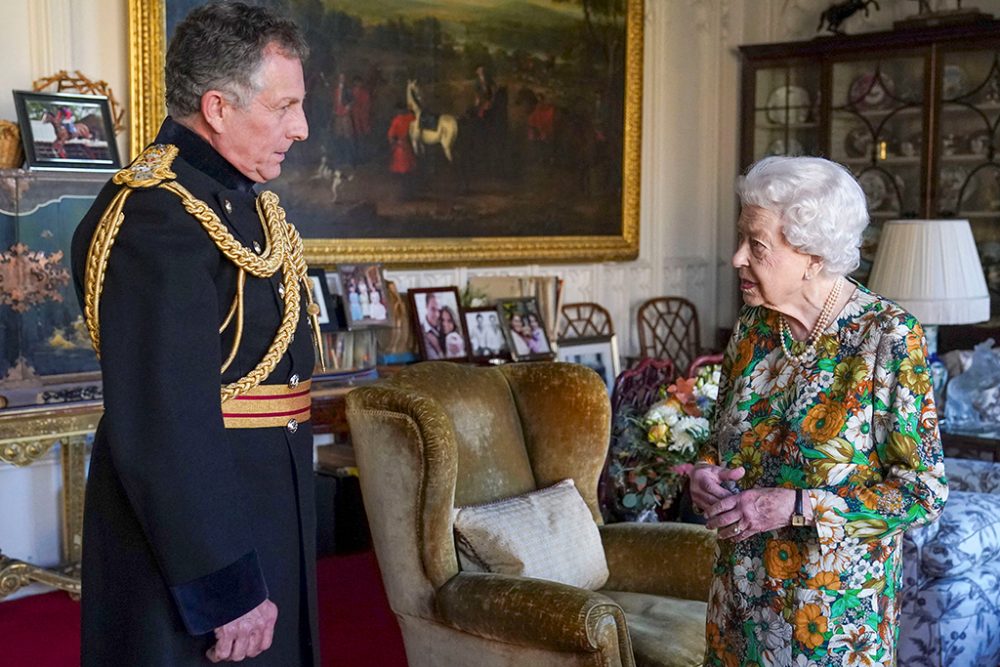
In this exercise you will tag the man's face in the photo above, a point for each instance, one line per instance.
(255, 139)
(433, 311)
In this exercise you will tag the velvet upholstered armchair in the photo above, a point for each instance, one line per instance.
(439, 436)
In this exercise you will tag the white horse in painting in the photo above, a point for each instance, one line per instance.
(445, 133)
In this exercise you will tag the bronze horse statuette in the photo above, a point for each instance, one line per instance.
(838, 12)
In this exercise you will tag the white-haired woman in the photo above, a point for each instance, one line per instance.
(826, 444)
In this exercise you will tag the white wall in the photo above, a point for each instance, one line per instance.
(689, 161)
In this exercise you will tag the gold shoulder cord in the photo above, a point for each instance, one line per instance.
(283, 250)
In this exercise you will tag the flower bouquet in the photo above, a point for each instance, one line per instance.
(654, 447)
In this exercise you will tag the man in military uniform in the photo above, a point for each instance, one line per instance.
(199, 525)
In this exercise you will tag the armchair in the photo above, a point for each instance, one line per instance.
(438, 436)
(951, 572)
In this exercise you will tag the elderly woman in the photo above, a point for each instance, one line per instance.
(826, 444)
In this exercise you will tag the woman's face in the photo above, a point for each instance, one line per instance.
(516, 323)
(533, 321)
(447, 321)
(772, 272)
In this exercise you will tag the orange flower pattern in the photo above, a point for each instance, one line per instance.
(810, 626)
(782, 559)
(855, 425)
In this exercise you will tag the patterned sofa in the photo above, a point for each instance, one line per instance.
(951, 602)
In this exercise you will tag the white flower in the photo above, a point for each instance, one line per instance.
(882, 422)
(711, 391)
(772, 372)
(861, 643)
(741, 389)
(863, 570)
(663, 413)
(904, 404)
(772, 631)
(883, 383)
(688, 432)
(859, 428)
(748, 575)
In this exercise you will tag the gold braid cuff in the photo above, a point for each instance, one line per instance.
(283, 250)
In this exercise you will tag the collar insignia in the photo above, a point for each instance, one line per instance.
(151, 168)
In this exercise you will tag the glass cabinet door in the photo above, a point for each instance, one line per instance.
(877, 130)
(967, 175)
(786, 111)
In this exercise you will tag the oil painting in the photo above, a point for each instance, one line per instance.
(452, 130)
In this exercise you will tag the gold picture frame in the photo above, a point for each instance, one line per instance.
(147, 47)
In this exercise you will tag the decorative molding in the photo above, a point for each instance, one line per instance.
(16, 574)
(27, 434)
(22, 454)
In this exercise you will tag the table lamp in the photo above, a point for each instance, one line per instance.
(932, 269)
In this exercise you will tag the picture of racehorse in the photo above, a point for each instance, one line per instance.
(428, 129)
(65, 131)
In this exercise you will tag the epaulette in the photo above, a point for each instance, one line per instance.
(151, 168)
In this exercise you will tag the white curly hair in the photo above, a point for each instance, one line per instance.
(822, 208)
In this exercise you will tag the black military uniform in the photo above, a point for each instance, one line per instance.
(194, 517)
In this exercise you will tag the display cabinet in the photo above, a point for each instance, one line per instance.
(912, 113)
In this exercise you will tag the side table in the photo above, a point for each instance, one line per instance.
(26, 435)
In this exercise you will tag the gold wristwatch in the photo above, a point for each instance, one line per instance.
(798, 516)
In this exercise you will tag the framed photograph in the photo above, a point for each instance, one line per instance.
(437, 323)
(321, 297)
(363, 290)
(486, 338)
(65, 131)
(524, 329)
(534, 149)
(599, 353)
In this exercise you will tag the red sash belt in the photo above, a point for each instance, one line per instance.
(269, 405)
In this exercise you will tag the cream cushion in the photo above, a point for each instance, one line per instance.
(546, 534)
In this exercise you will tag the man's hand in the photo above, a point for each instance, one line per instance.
(707, 484)
(245, 637)
(747, 513)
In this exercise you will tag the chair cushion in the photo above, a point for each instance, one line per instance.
(546, 534)
(969, 535)
(665, 632)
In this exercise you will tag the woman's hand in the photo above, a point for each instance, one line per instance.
(708, 484)
(743, 515)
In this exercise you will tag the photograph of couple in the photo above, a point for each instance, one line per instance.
(440, 329)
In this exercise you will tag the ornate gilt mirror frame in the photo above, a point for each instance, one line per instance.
(147, 46)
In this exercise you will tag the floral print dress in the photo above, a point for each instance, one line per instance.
(855, 425)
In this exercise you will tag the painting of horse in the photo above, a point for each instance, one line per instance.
(454, 120)
(67, 131)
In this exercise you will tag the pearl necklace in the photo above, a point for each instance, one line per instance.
(818, 328)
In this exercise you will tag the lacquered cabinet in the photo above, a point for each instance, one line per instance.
(913, 114)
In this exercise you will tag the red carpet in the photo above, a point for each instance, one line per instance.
(357, 629)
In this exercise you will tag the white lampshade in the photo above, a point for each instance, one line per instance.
(931, 268)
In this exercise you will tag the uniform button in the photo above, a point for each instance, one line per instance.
(281, 290)
(228, 205)
(293, 381)
(292, 426)
(256, 247)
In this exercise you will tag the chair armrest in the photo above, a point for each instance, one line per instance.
(531, 612)
(972, 475)
(672, 559)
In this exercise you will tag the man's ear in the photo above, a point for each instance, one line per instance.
(214, 109)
